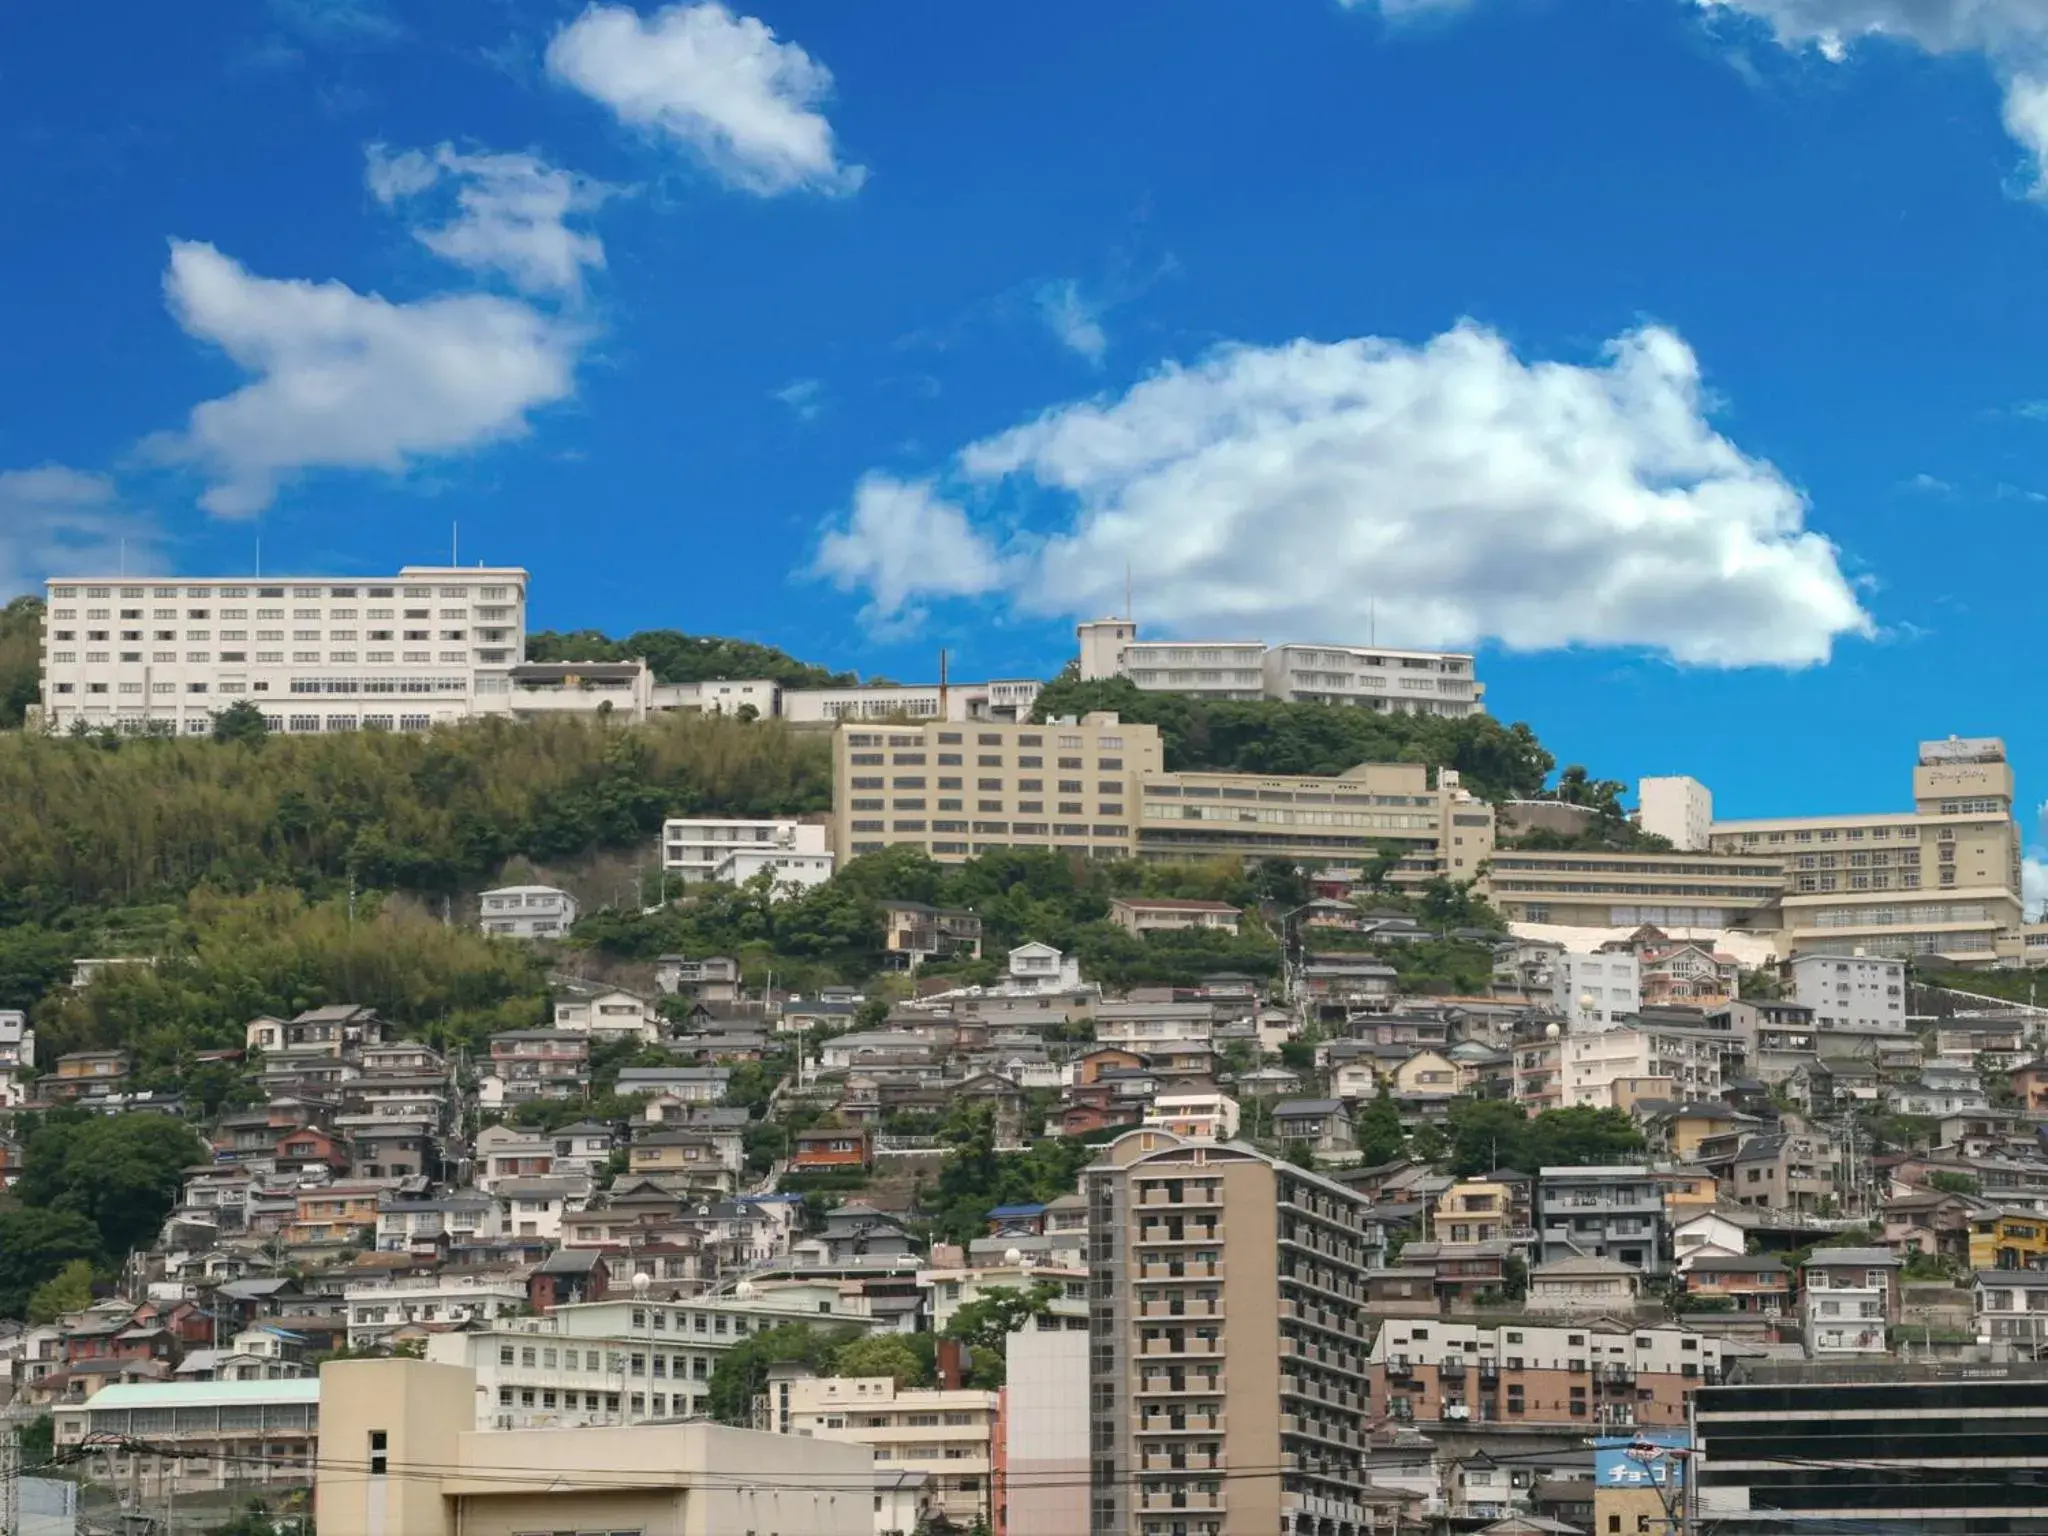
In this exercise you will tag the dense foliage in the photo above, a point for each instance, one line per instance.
(226, 959)
(675, 657)
(95, 823)
(1486, 1134)
(21, 648)
(1497, 761)
(741, 1373)
(834, 931)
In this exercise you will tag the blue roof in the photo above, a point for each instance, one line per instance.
(1016, 1210)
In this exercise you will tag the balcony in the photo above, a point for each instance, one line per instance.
(1187, 1269)
(1150, 1502)
(1185, 1307)
(1184, 1347)
(1184, 1386)
(1182, 1423)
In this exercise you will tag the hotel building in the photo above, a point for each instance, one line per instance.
(957, 790)
(430, 645)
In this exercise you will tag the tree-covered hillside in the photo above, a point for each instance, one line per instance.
(1497, 761)
(94, 824)
(679, 658)
(21, 640)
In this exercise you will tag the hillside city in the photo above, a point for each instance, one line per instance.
(1223, 1088)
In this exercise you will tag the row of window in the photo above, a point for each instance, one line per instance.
(983, 738)
(490, 594)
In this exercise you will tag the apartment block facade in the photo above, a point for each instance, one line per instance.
(1435, 1373)
(431, 645)
(731, 850)
(1389, 679)
(1227, 1379)
(1941, 879)
(1605, 1212)
(956, 791)
(1442, 830)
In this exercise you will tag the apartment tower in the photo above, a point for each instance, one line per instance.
(1226, 1372)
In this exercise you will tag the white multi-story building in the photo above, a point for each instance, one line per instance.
(611, 1362)
(1600, 990)
(734, 851)
(1007, 699)
(1678, 809)
(527, 912)
(1390, 679)
(1593, 1063)
(948, 1433)
(378, 1309)
(1851, 991)
(17, 1040)
(431, 645)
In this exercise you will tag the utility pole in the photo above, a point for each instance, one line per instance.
(10, 1479)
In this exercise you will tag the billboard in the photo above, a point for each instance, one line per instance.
(1614, 1467)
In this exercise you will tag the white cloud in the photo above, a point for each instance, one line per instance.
(1463, 494)
(511, 213)
(350, 380)
(1073, 320)
(903, 542)
(806, 397)
(54, 519)
(720, 84)
(2034, 884)
(2012, 34)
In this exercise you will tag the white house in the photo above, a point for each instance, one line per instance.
(17, 1040)
(1860, 992)
(1597, 991)
(379, 1309)
(526, 912)
(612, 1014)
(697, 849)
(1035, 967)
(1707, 1235)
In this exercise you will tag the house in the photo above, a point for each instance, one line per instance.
(17, 1040)
(914, 933)
(691, 1085)
(1426, 1072)
(568, 1275)
(1584, 1286)
(606, 1013)
(1602, 1211)
(540, 1063)
(88, 1075)
(1033, 968)
(1705, 1234)
(2029, 1083)
(584, 1146)
(832, 1150)
(713, 979)
(2008, 1239)
(1337, 983)
(2011, 1307)
(1849, 1299)
(1754, 1284)
(1321, 1125)
(526, 912)
(1787, 1170)
(1478, 1210)
(1145, 914)
(1201, 1116)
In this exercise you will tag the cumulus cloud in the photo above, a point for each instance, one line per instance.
(55, 519)
(1076, 323)
(511, 212)
(901, 543)
(2034, 885)
(1463, 494)
(721, 85)
(2013, 34)
(351, 380)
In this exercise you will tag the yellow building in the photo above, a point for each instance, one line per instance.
(958, 789)
(1440, 830)
(398, 1457)
(1475, 1211)
(1426, 1072)
(2008, 1240)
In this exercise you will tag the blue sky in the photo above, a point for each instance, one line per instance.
(1684, 357)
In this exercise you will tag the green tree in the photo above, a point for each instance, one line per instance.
(35, 1245)
(741, 1374)
(1486, 1134)
(985, 1324)
(1559, 1137)
(1301, 1155)
(21, 642)
(69, 1290)
(1950, 1183)
(1378, 1132)
(241, 721)
(122, 1173)
(38, 1442)
(1428, 1145)
(885, 1354)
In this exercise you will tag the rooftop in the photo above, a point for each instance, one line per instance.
(207, 1394)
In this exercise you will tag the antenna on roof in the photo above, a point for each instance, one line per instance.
(454, 543)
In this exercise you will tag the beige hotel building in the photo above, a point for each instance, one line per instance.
(958, 789)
